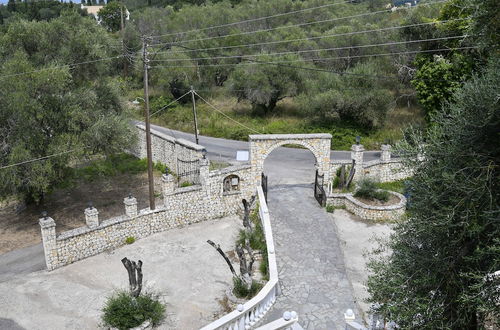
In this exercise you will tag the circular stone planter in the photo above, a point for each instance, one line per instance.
(369, 212)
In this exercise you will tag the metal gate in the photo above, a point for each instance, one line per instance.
(319, 191)
(188, 172)
(264, 185)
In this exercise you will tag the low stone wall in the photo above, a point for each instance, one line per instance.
(165, 148)
(182, 206)
(368, 212)
(384, 169)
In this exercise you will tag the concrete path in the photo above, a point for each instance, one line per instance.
(313, 278)
(22, 261)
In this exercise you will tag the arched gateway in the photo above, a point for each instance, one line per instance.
(262, 145)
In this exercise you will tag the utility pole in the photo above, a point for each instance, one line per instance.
(148, 128)
(194, 115)
(122, 30)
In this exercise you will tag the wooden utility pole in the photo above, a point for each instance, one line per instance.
(194, 115)
(122, 30)
(148, 128)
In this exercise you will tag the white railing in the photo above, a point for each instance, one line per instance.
(248, 314)
(289, 321)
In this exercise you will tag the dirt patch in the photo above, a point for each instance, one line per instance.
(20, 229)
(393, 199)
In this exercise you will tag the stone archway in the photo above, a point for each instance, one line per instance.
(262, 145)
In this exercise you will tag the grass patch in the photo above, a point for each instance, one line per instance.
(241, 291)
(397, 186)
(130, 240)
(110, 166)
(368, 189)
(124, 312)
(186, 184)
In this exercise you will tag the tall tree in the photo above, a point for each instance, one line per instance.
(49, 108)
(440, 274)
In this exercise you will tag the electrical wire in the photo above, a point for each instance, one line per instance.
(166, 106)
(38, 159)
(253, 19)
(309, 38)
(296, 25)
(309, 50)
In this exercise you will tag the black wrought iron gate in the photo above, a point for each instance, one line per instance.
(319, 191)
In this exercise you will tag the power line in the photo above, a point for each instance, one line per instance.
(225, 115)
(278, 63)
(38, 159)
(60, 66)
(310, 38)
(166, 106)
(310, 50)
(296, 25)
(253, 19)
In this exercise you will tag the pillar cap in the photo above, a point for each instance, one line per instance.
(167, 177)
(385, 147)
(91, 211)
(357, 147)
(47, 222)
(130, 201)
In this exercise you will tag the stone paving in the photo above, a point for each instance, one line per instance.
(313, 278)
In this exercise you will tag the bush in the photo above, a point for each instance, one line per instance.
(368, 189)
(186, 184)
(130, 240)
(124, 312)
(330, 208)
(241, 291)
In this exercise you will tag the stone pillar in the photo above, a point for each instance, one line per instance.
(386, 153)
(130, 206)
(204, 173)
(48, 228)
(168, 186)
(92, 217)
(357, 155)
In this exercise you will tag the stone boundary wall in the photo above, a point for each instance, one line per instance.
(182, 206)
(368, 212)
(385, 169)
(165, 148)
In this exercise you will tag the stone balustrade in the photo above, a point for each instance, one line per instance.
(248, 314)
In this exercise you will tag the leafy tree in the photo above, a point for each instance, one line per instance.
(51, 108)
(265, 84)
(110, 16)
(440, 272)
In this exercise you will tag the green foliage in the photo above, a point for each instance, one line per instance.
(122, 311)
(257, 237)
(438, 274)
(130, 240)
(368, 189)
(265, 85)
(186, 184)
(36, 10)
(54, 109)
(330, 208)
(110, 16)
(397, 186)
(240, 290)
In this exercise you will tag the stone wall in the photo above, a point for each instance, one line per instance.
(165, 148)
(384, 169)
(182, 206)
(368, 212)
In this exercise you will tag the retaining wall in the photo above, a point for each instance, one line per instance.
(368, 212)
(182, 206)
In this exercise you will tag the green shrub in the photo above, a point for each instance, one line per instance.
(368, 189)
(130, 240)
(397, 186)
(330, 208)
(124, 312)
(241, 291)
(186, 184)
(264, 265)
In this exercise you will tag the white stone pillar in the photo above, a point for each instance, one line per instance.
(168, 186)
(92, 217)
(204, 173)
(357, 155)
(130, 206)
(48, 228)
(386, 153)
